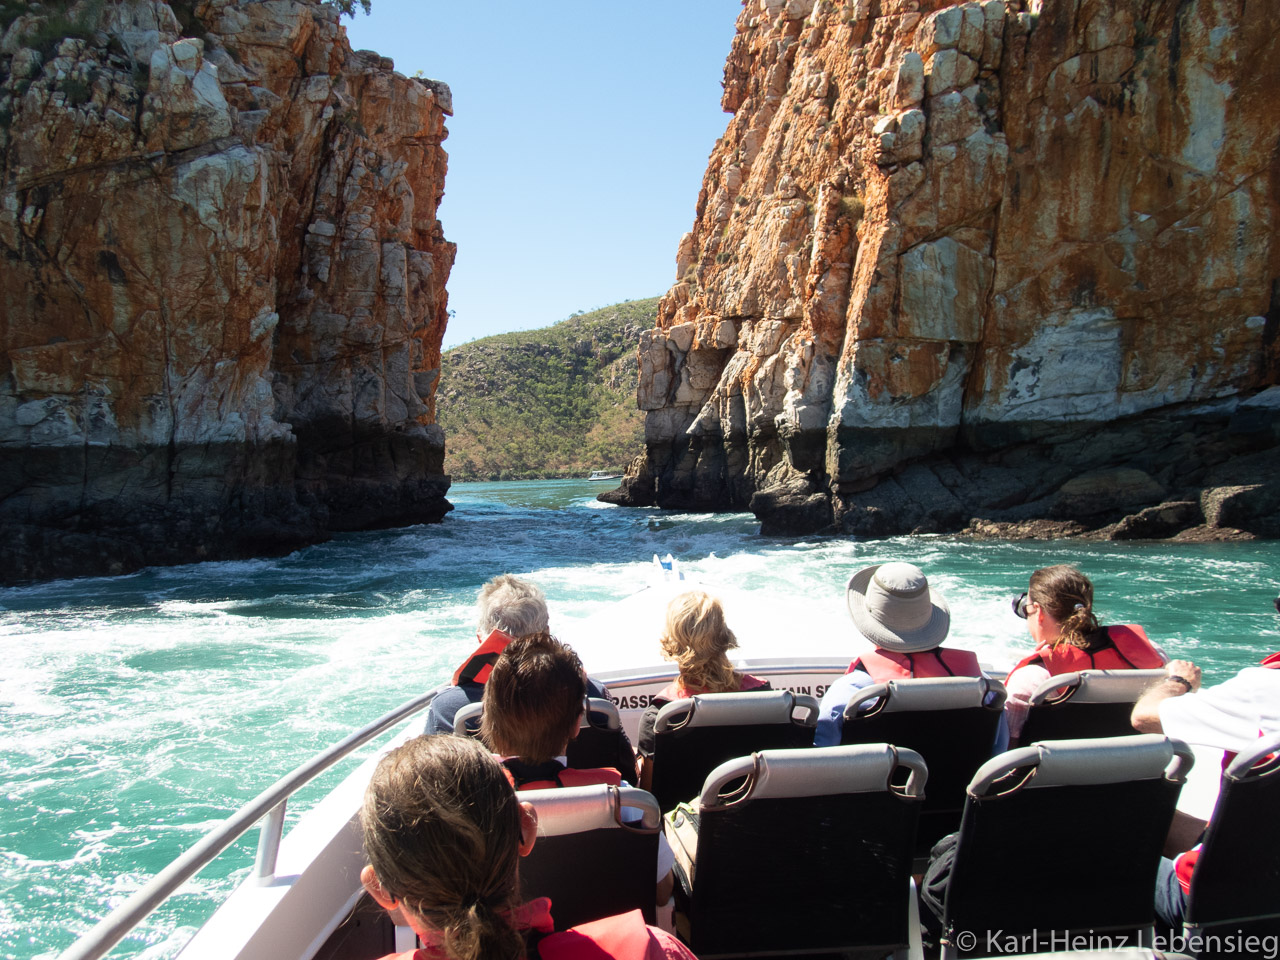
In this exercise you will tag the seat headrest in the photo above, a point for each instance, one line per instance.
(602, 714)
(467, 720)
(1242, 767)
(1080, 762)
(1098, 686)
(819, 772)
(566, 810)
(729, 710)
(942, 693)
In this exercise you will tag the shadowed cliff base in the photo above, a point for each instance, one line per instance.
(106, 510)
(1188, 472)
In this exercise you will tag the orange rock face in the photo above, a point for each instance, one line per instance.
(935, 227)
(222, 283)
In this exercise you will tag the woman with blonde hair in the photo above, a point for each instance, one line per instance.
(698, 640)
(1058, 608)
(444, 832)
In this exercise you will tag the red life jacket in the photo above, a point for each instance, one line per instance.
(477, 667)
(886, 665)
(1129, 649)
(624, 937)
(547, 776)
(1185, 864)
(676, 691)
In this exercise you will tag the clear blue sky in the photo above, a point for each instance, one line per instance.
(580, 135)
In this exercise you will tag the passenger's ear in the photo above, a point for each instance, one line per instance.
(374, 888)
(528, 827)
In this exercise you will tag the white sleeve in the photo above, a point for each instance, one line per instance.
(1229, 716)
(1022, 683)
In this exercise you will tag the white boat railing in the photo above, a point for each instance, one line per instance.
(268, 806)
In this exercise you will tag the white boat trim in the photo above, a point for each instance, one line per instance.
(267, 890)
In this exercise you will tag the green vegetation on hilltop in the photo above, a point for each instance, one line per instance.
(556, 402)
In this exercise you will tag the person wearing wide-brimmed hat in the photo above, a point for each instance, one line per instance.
(893, 606)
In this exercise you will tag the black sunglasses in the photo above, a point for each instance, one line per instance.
(1020, 604)
(1277, 603)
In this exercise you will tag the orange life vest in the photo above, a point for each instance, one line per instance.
(1129, 649)
(477, 667)
(547, 776)
(886, 665)
(676, 691)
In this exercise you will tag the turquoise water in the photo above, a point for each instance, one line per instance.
(136, 712)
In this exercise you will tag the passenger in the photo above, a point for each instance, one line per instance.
(444, 831)
(1229, 717)
(893, 606)
(698, 641)
(1058, 608)
(533, 705)
(508, 608)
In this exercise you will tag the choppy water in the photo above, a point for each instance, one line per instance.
(138, 711)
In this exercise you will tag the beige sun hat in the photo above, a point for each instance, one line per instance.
(892, 606)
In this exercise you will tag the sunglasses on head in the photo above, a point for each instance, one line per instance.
(1020, 605)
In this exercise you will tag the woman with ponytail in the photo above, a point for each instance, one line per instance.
(698, 640)
(444, 831)
(1058, 608)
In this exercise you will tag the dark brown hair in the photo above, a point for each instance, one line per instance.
(1067, 595)
(533, 699)
(441, 829)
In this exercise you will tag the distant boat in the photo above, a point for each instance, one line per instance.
(604, 475)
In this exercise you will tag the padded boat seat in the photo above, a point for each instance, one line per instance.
(596, 854)
(600, 742)
(1087, 704)
(695, 734)
(800, 851)
(1063, 838)
(950, 721)
(1235, 887)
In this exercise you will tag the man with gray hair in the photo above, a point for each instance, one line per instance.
(509, 608)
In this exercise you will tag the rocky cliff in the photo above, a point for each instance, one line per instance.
(973, 265)
(222, 282)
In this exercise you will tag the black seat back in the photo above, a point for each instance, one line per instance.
(590, 858)
(694, 735)
(1236, 883)
(818, 837)
(1094, 812)
(601, 741)
(1086, 705)
(950, 721)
